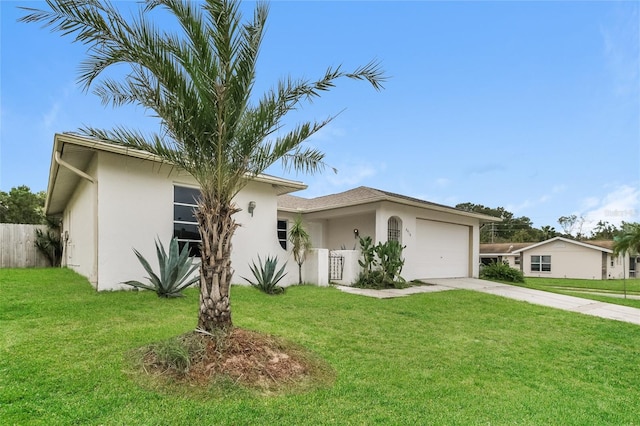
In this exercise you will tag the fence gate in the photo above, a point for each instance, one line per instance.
(336, 266)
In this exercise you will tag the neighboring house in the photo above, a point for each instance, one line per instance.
(440, 241)
(564, 258)
(112, 199)
(501, 252)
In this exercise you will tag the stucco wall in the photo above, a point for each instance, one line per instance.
(79, 228)
(409, 216)
(135, 205)
(616, 267)
(340, 231)
(567, 261)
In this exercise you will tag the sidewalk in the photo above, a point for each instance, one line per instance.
(537, 297)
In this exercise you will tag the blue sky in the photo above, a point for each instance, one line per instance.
(531, 106)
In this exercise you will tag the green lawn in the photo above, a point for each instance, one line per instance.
(589, 288)
(455, 357)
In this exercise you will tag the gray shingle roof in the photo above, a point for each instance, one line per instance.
(363, 195)
(503, 248)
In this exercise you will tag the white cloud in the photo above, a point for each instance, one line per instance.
(352, 174)
(590, 203)
(517, 208)
(328, 133)
(621, 204)
(50, 117)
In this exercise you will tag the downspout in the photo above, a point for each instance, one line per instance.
(61, 162)
(66, 165)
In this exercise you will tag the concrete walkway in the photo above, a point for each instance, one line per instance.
(537, 297)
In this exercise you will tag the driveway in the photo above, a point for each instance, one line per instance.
(537, 297)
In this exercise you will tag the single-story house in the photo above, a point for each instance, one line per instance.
(501, 252)
(113, 199)
(439, 241)
(561, 257)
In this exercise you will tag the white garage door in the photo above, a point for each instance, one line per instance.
(443, 249)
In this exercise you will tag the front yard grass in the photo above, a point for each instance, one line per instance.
(455, 357)
(610, 291)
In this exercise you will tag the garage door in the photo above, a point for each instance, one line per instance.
(443, 249)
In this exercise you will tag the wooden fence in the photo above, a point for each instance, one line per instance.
(17, 246)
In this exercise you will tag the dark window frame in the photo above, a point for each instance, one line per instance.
(282, 229)
(394, 229)
(185, 229)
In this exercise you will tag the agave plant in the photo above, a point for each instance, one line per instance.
(267, 278)
(175, 268)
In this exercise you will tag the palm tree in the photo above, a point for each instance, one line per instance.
(548, 232)
(301, 243)
(199, 84)
(629, 239)
(627, 242)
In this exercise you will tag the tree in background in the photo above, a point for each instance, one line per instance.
(511, 229)
(20, 205)
(604, 231)
(199, 84)
(548, 232)
(572, 226)
(300, 242)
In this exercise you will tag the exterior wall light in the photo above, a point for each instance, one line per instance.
(356, 233)
(252, 206)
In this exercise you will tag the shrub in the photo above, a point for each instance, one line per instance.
(267, 278)
(391, 261)
(175, 268)
(49, 242)
(381, 265)
(501, 271)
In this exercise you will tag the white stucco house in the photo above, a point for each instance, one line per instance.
(440, 241)
(112, 199)
(560, 257)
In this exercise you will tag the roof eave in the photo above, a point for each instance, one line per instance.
(281, 186)
(578, 243)
(481, 217)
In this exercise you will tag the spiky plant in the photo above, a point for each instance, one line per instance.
(175, 269)
(266, 276)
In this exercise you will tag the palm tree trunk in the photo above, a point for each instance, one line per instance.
(216, 227)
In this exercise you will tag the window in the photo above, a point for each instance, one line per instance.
(393, 229)
(516, 260)
(282, 233)
(541, 263)
(185, 224)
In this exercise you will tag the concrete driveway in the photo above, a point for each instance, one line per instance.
(537, 297)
